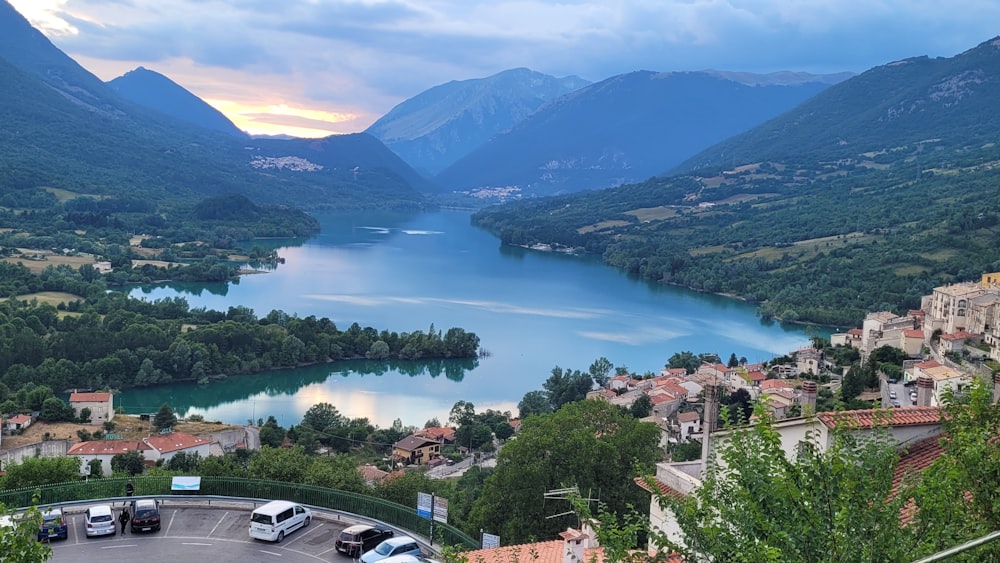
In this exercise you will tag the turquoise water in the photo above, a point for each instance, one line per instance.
(532, 310)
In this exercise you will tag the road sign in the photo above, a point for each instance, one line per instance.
(441, 509)
(425, 504)
(490, 541)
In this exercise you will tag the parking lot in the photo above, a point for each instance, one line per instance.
(191, 533)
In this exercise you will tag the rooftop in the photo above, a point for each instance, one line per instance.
(870, 418)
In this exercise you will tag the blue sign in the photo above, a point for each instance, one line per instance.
(425, 504)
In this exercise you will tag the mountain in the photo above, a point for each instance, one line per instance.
(435, 128)
(951, 101)
(153, 90)
(864, 198)
(626, 129)
(65, 128)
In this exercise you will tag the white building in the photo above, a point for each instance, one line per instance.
(101, 406)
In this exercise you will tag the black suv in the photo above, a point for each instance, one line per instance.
(360, 538)
(145, 516)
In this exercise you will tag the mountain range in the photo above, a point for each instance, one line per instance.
(65, 128)
(626, 129)
(151, 89)
(440, 125)
(863, 198)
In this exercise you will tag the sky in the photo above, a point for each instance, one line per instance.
(312, 68)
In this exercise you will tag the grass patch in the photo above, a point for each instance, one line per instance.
(53, 298)
(647, 214)
(44, 258)
(940, 255)
(702, 251)
(602, 226)
(909, 270)
(66, 195)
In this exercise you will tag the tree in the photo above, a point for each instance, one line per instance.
(641, 407)
(35, 471)
(533, 402)
(131, 462)
(829, 504)
(600, 371)
(323, 417)
(588, 444)
(183, 461)
(733, 361)
(271, 434)
(55, 409)
(165, 418)
(462, 413)
(18, 542)
(568, 386)
(278, 464)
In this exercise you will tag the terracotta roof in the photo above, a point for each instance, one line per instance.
(413, 443)
(175, 441)
(106, 447)
(19, 419)
(437, 433)
(371, 474)
(855, 332)
(688, 416)
(756, 376)
(89, 397)
(539, 552)
(663, 488)
(917, 457)
(868, 418)
(928, 364)
(913, 333)
(775, 384)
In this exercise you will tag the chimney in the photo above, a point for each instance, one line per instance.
(809, 389)
(996, 387)
(925, 388)
(708, 425)
(575, 543)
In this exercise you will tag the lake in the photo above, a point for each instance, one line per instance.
(532, 310)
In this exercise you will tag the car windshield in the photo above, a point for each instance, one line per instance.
(344, 536)
(147, 513)
(384, 548)
(51, 517)
(101, 518)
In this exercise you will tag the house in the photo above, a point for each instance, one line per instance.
(808, 360)
(415, 449)
(622, 383)
(100, 404)
(689, 423)
(165, 446)
(955, 342)
(104, 450)
(850, 338)
(443, 435)
(575, 546)
(673, 372)
(911, 341)
(371, 474)
(18, 422)
(908, 427)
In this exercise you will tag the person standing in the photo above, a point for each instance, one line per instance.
(129, 488)
(123, 519)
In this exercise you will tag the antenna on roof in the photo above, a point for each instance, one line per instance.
(566, 494)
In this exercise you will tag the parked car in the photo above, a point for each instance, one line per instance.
(355, 540)
(405, 558)
(278, 518)
(895, 403)
(892, 394)
(99, 520)
(53, 525)
(145, 516)
(398, 545)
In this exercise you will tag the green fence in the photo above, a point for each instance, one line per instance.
(404, 517)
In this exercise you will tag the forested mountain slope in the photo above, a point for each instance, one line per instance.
(438, 126)
(824, 234)
(624, 129)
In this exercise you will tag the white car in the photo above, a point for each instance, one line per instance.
(99, 521)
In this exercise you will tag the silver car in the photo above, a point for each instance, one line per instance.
(99, 521)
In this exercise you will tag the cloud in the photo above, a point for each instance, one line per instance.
(362, 57)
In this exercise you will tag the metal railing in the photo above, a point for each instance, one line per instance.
(369, 507)
(961, 548)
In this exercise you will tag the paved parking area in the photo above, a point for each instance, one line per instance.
(191, 534)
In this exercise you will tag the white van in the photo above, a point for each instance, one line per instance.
(278, 518)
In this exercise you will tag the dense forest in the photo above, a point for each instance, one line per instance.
(106, 339)
(821, 243)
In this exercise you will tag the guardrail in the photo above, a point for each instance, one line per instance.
(252, 490)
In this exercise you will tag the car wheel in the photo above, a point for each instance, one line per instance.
(281, 536)
(306, 523)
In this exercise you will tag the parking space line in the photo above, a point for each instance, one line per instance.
(307, 532)
(120, 546)
(76, 534)
(194, 543)
(171, 523)
(226, 513)
(270, 553)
